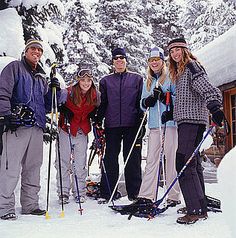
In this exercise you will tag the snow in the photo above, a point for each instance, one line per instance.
(218, 59)
(11, 33)
(99, 220)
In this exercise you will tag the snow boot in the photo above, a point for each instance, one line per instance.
(9, 216)
(64, 199)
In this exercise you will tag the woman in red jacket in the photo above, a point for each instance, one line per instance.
(82, 99)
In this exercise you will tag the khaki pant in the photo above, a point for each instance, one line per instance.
(22, 153)
(149, 182)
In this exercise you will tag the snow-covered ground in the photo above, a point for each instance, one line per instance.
(100, 221)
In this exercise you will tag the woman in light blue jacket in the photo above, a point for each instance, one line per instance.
(160, 121)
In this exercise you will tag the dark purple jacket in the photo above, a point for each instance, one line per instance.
(120, 99)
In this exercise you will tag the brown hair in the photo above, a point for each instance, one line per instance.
(150, 75)
(177, 69)
(76, 95)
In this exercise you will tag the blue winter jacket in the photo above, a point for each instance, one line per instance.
(120, 97)
(155, 112)
(20, 85)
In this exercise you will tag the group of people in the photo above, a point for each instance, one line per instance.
(175, 98)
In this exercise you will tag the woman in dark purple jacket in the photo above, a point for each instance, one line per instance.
(120, 98)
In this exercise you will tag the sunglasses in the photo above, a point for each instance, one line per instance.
(154, 59)
(85, 72)
(119, 57)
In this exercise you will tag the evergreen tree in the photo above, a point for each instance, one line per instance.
(41, 22)
(205, 21)
(164, 19)
(80, 39)
(123, 27)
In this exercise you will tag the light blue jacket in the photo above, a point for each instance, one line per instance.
(154, 118)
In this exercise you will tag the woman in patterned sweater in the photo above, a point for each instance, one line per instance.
(194, 95)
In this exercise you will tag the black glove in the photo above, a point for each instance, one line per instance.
(55, 83)
(159, 95)
(217, 115)
(10, 121)
(166, 116)
(150, 101)
(68, 114)
(93, 116)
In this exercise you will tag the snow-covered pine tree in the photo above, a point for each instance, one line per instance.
(4, 4)
(205, 20)
(42, 21)
(80, 39)
(123, 27)
(164, 17)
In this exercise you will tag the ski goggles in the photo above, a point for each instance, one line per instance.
(85, 72)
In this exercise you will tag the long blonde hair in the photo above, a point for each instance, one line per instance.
(176, 70)
(151, 75)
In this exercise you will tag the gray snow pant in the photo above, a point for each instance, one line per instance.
(22, 153)
(80, 142)
(191, 181)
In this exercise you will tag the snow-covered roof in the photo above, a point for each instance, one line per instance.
(219, 58)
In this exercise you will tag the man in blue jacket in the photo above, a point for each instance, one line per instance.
(120, 97)
(23, 105)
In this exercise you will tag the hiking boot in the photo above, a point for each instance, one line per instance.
(172, 203)
(132, 198)
(191, 219)
(64, 199)
(142, 201)
(38, 212)
(9, 216)
(102, 200)
(82, 199)
(182, 210)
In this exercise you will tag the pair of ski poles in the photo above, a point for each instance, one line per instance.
(54, 115)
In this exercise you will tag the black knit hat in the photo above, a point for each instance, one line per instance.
(118, 51)
(178, 42)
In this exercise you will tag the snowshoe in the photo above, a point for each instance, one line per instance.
(148, 211)
(133, 207)
(213, 203)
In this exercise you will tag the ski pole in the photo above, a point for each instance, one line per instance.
(131, 149)
(74, 170)
(59, 155)
(53, 72)
(161, 164)
(102, 162)
(158, 202)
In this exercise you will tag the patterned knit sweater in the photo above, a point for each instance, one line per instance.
(194, 93)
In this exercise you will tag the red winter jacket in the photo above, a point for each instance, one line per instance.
(80, 118)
